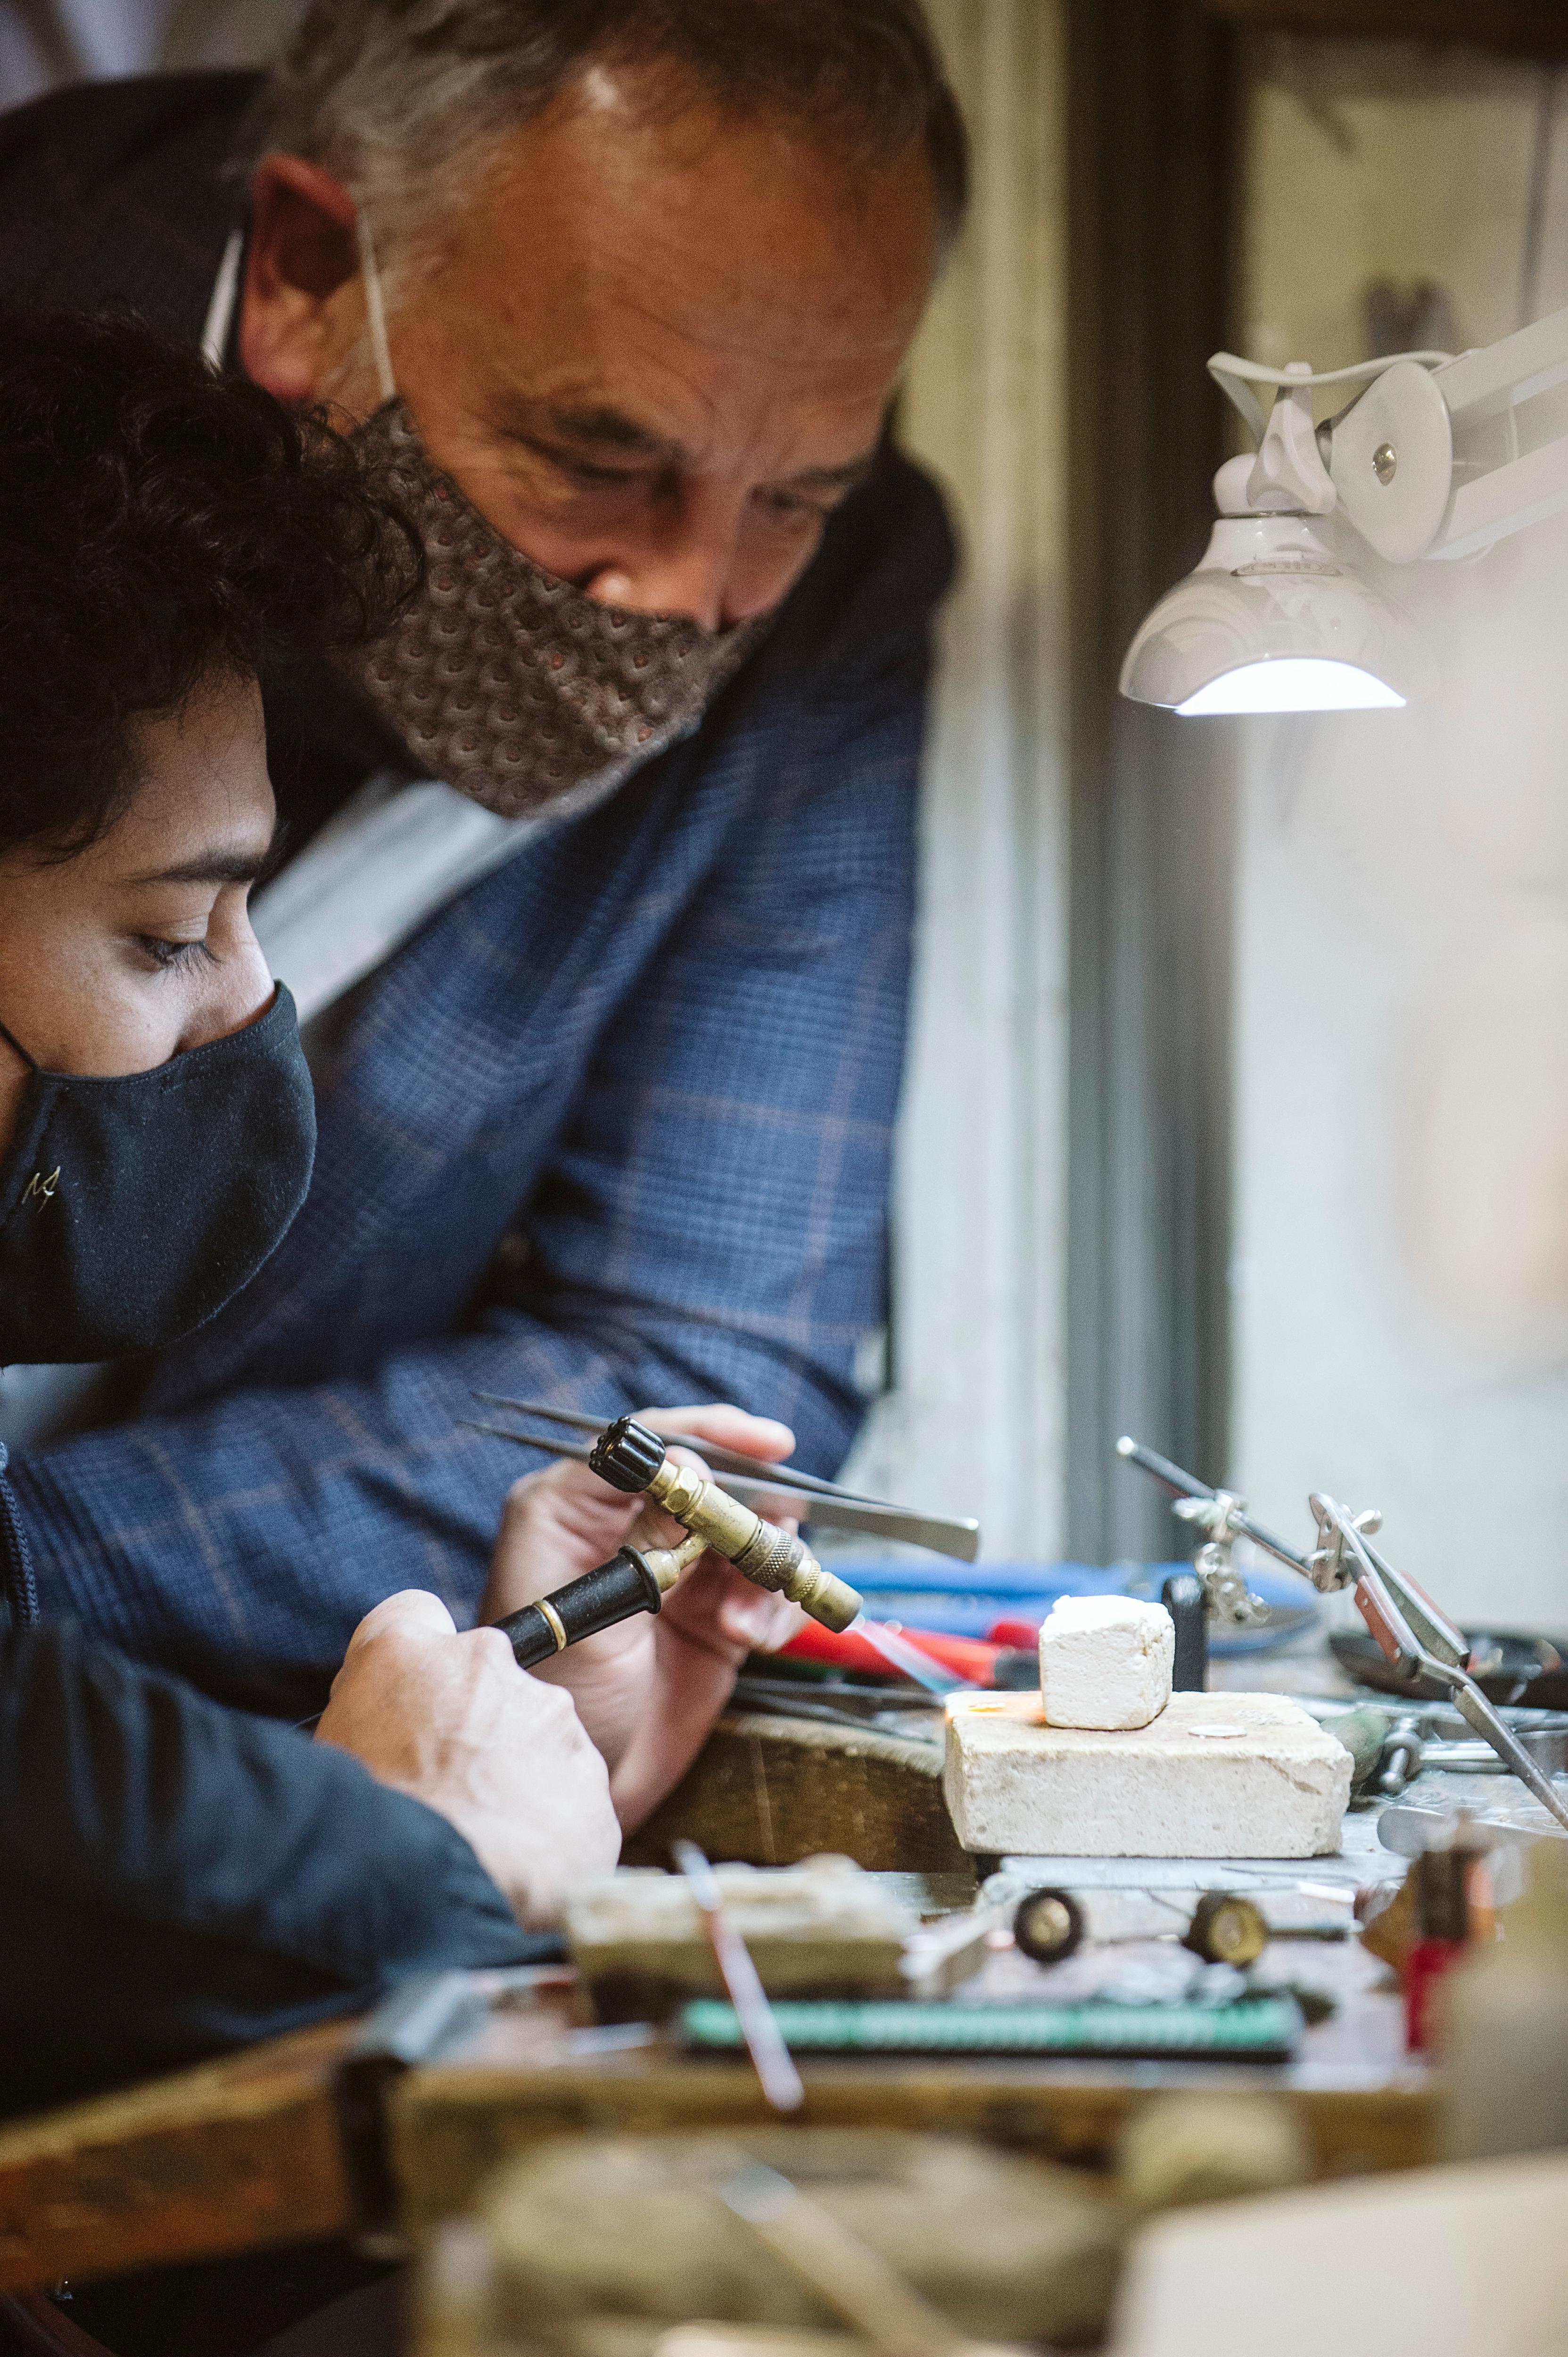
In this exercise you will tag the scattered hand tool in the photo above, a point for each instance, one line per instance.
(1224, 1928)
(1408, 1830)
(633, 1459)
(1049, 1926)
(1410, 1632)
(749, 1481)
(1256, 2029)
(896, 1649)
(954, 1661)
(843, 2270)
(779, 2079)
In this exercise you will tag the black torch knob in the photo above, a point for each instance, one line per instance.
(598, 1600)
(626, 1455)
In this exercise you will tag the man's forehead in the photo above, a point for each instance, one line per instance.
(607, 291)
(652, 368)
(737, 237)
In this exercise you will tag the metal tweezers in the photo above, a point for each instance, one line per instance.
(1414, 1635)
(821, 1501)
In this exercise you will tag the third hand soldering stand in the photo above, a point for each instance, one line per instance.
(633, 1459)
(1413, 1636)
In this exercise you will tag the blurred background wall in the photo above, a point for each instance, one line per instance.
(970, 1412)
(45, 42)
(1400, 1277)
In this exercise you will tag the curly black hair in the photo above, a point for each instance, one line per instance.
(158, 524)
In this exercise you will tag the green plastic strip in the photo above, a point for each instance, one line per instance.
(1263, 2029)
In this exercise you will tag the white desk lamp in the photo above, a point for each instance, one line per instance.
(1434, 457)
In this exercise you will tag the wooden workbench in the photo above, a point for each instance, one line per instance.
(766, 1791)
(252, 2151)
(529, 2074)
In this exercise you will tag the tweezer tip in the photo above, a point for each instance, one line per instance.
(757, 2193)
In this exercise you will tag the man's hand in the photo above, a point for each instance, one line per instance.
(649, 1689)
(452, 1720)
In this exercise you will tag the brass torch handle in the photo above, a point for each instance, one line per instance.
(767, 1556)
(633, 1458)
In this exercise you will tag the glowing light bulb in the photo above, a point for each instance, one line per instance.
(1294, 683)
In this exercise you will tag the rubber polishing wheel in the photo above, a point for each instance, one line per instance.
(1225, 1929)
(1049, 1926)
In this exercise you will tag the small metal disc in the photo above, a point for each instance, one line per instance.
(1225, 1929)
(1049, 1926)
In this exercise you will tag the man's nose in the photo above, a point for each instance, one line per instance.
(689, 563)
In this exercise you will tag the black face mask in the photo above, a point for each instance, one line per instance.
(132, 1210)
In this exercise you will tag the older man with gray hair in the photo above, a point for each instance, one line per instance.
(599, 886)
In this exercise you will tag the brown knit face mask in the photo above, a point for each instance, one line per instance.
(507, 681)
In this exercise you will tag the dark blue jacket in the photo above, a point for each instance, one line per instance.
(177, 1878)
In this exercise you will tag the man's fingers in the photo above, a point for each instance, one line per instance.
(713, 1601)
(751, 1619)
(413, 1611)
(727, 1427)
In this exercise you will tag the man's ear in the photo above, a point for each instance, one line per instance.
(302, 252)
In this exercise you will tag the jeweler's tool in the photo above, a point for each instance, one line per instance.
(853, 2279)
(636, 1580)
(959, 1660)
(1049, 1926)
(883, 1640)
(780, 2081)
(1412, 1633)
(1408, 1830)
(1184, 1485)
(633, 1459)
(1262, 2029)
(1226, 1929)
(742, 1477)
(900, 1655)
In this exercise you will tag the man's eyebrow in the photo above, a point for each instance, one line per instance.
(611, 429)
(847, 478)
(215, 866)
(594, 425)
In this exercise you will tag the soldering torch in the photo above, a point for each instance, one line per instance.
(633, 1459)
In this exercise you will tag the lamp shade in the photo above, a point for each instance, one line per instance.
(1272, 620)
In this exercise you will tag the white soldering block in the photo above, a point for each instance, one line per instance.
(1106, 1662)
(1220, 1775)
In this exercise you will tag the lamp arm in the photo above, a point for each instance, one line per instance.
(1509, 406)
(1235, 376)
(1435, 457)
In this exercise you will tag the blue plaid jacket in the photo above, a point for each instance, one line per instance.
(614, 1129)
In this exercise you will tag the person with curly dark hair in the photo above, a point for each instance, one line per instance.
(162, 534)
(162, 529)
(177, 1878)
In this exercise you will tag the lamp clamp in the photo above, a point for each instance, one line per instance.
(1222, 1518)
